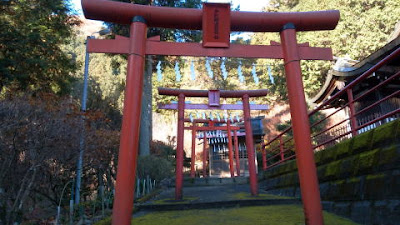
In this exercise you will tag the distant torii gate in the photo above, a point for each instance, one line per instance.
(228, 128)
(216, 21)
(213, 96)
(214, 104)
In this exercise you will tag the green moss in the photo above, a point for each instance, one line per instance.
(344, 149)
(287, 167)
(321, 173)
(148, 196)
(289, 180)
(368, 160)
(328, 155)
(272, 215)
(283, 168)
(282, 181)
(168, 201)
(387, 133)
(339, 182)
(317, 158)
(353, 180)
(273, 172)
(388, 155)
(332, 169)
(247, 196)
(375, 176)
(106, 221)
(349, 166)
(293, 165)
(350, 190)
(362, 142)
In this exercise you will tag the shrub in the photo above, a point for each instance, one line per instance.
(155, 167)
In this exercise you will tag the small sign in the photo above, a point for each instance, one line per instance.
(216, 25)
(213, 98)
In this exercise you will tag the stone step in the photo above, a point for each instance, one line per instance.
(176, 205)
(211, 181)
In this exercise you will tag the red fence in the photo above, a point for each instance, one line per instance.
(364, 111)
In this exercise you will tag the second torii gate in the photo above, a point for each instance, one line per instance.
(214, 103)
(216, 106)
(216, 21)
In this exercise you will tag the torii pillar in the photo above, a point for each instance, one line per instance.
(129, 143)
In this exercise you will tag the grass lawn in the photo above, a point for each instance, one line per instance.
(254, 215)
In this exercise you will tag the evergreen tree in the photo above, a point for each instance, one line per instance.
(31, 39)
(364, 27)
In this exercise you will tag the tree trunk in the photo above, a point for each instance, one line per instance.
(146, 114)
(101, 189)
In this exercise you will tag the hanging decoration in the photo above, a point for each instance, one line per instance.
(240, 74)
(209, 70)
(159, 74)
(211, 116)
(218, 117)
(177, 72)
(271, 78)
(223, 70)
(253, 71)
(192, 71)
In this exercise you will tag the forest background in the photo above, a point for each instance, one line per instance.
(42, 53)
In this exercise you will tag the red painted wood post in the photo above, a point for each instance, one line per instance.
(281, 148)
(264, 157)
(129, 140)
(205, 154)
(230, 150)
(193, 158)
(250, 146)
(237, 153)
(179, 147)
(301, 128)
(353, 121)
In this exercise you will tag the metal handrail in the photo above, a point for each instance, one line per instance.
(279, 151)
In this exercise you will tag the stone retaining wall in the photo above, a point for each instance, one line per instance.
(359, 178)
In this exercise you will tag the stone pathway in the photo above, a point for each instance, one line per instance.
(197, 197)
(224, 204)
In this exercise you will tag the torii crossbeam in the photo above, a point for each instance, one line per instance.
(215, 43)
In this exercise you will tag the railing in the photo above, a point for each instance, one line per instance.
(363, 114)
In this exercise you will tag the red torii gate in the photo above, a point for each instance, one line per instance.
(211, 127)
(216, 28)
(214, 103)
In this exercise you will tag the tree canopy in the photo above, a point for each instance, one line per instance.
(31, 39)
(364, 27)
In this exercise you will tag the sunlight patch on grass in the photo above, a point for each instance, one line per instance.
(185, 200)
(246, 195)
